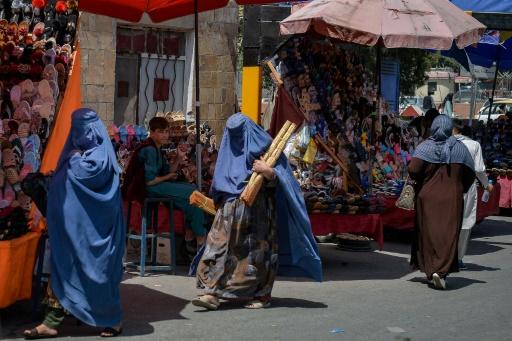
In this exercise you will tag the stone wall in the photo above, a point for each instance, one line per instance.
(97, 36)
(217, 65)
(217, 62)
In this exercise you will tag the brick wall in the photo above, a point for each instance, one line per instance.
(217, 63)
(98, 49)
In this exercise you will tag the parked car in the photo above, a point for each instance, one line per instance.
(483, 113)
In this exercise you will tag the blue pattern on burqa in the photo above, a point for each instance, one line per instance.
(442, 147)
(85, 222)
(243, 142)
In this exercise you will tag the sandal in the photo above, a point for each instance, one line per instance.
(111, 332)
(209, 302)
(33, 334)
(257, 304)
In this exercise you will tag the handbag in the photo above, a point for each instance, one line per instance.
(406, 199)
(36, 186)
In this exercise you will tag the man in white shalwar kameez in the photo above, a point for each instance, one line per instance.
(471, 197)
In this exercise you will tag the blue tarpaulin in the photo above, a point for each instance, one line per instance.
(390, 78)
(484, 54)
(503, 6)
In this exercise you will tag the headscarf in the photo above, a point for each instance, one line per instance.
(442, 147)
(244, 142)
(85, 222)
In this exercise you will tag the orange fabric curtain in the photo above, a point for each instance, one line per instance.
(17, 258)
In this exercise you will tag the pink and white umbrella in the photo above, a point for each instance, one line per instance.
(426, 24)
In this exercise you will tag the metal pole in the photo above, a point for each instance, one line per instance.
(472, 105)
(197, 102)
(491, 100)
(372, 132)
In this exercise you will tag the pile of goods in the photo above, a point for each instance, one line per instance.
(36, 48)
(337, 163)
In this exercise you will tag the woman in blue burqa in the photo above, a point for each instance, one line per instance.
(443, 170)
(85, 226)
(248, 246)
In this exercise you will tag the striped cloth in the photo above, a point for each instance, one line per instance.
(442, 146)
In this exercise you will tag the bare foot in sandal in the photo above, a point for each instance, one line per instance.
(209, 302)
(112, 331)
(40, 332)
(259, 303)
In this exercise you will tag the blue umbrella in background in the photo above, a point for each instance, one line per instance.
(488, 51)
(484, 54)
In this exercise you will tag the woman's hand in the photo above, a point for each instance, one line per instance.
(260, 166)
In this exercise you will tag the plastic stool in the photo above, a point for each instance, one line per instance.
(150, 214)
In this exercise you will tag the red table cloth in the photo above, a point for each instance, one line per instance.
(398, 219)
(489, 208)
(369, 225)
(163, 219)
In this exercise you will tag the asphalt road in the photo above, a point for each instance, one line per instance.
(365, 296)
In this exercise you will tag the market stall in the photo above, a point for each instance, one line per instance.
(351, 153)
(35, 66)
(345, 177)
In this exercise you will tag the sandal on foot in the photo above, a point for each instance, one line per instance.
(257, 304)
(33, 334)
(111, 332)
(206, 301)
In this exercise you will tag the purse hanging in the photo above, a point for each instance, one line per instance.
(406, 199)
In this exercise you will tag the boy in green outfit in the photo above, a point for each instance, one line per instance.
(158, 176)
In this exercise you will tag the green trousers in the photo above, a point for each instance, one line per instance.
(53, 317)
(181, 192)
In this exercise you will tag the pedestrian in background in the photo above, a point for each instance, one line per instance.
(443, 170)
(461, 133)
(447, 106)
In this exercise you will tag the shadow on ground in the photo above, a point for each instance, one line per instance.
(277, 302)
(452, 283)
(341, 265)
(145, 307)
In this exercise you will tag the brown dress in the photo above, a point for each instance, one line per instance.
(439, 209)
(241, 254)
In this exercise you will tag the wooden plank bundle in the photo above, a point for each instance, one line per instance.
(271, 156)
(200, 200)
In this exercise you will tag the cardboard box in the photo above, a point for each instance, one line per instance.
(163, 251)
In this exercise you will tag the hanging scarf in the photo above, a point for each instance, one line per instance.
(442, 147)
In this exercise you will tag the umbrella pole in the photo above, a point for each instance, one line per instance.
(372, 133)
(197, 102)
(491, 100)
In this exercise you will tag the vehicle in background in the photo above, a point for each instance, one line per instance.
(496, 112)
(405, 101)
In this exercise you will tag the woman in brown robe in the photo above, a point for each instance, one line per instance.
(443, 170)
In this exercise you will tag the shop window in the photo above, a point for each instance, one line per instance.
(150, 73)
(145, 40)
(161, 89)
(122, 89)
(432, 87)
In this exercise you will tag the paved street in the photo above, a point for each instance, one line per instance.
(365, 296)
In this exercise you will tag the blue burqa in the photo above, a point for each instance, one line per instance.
(85, 223)
(244, 142)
